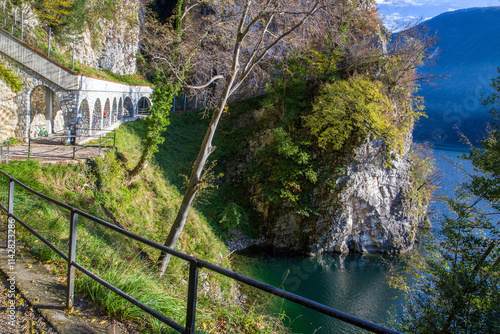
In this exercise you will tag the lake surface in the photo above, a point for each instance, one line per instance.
(355, 284)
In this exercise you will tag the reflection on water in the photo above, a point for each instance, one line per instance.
(355, 284)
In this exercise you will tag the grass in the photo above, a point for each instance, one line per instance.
(147, 207)
(225, 206)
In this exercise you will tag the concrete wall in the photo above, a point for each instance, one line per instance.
(22, 53)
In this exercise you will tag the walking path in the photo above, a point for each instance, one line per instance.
(53, 154)
(51, 149)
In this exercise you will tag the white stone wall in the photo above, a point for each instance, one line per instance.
(9, 120)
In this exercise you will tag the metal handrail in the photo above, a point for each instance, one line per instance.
(103, 142)
(194, 265)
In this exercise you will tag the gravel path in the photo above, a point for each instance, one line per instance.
(28, 320)
(52, 153)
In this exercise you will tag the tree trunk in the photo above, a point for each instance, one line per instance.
(205, 150)
(192, 188)
(141, 165)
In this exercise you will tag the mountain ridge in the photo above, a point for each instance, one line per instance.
(469, 57)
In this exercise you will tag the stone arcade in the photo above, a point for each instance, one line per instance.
(54, 99)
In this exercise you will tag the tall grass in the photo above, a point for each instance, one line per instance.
(146, 207)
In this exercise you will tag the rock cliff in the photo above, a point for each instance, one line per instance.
(368, 206)
(116, 44)
(109, 41)
(371, 213)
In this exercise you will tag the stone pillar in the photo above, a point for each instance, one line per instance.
(48, 110)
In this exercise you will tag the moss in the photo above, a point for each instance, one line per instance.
(10, 78)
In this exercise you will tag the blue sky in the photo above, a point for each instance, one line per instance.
(397, 13)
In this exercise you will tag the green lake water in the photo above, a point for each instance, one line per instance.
(355, 284)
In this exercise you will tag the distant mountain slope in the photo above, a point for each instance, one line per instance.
(470, 54)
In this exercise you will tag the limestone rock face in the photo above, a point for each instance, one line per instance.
(116, 46)
(371, 213)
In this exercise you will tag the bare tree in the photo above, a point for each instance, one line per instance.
(226, 45)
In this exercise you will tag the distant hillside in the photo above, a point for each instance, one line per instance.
(470, 54)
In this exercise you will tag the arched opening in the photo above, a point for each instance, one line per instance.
(97, 116)
(107, 113)
(120, 109)
(83, 119)
(143, 105)
(46, 115)
(114, 111)
(128, 107)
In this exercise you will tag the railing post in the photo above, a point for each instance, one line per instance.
(99, 145)
(74, 149)
(10, 205)
(29, 146)
(192, 296)
(70, 297)
(8, 152)
(50, 33)
(22, 25)
(73, 57)
(1, 153)
(114, 138)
